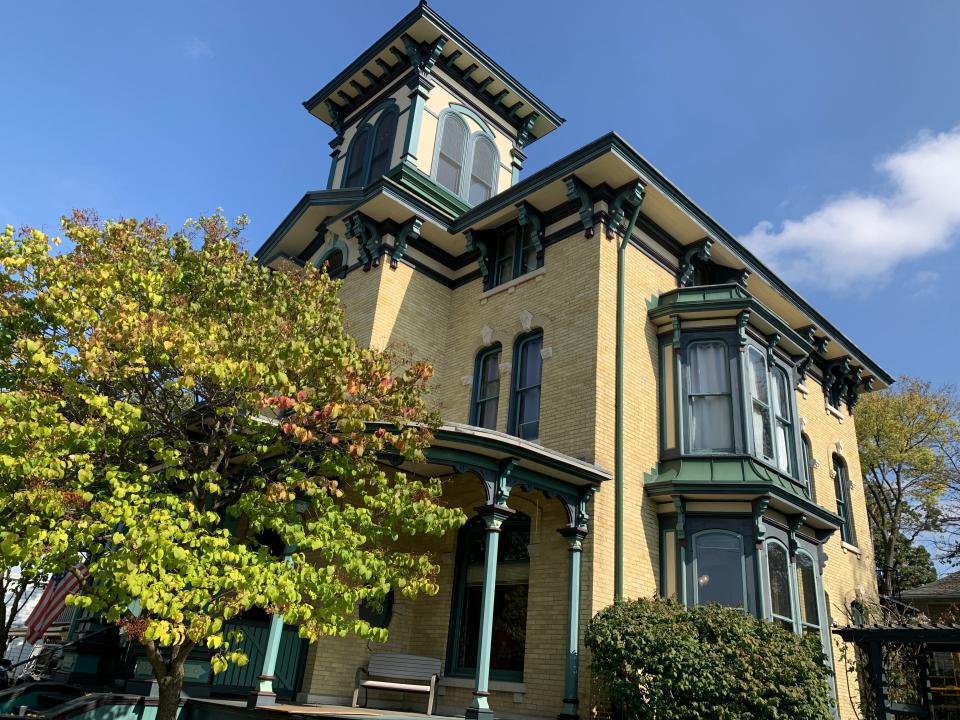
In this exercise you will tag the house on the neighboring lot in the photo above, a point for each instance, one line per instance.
(635, 404)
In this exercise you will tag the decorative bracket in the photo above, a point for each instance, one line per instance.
(630, 194)
(529, 215)
(675, 320)
(835, 377)
(759, 527)
(853, 387)
(772, 342)
(793, 524)
(422, 56)
(742, 320)
(680, 505)
(577, 190)
(367, 233)
(502, 489)
(476, 242)
(524, 137)
(809, 333)
(336, 116)
(701, 251)
(742, 278)
(409, 231)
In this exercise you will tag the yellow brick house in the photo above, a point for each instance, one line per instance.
(633, 403)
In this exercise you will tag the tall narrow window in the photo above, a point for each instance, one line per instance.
(808, 465)
(357, 159)
(841, 484)
(382, 145)
(783, 433)
(483, 170)
(719, 569)
(515, 253)
(807, 594)
(708, 397)
(778, 578)
(486, 394)
(510, 599)
(760, 403)
(527, 375)
(506, 251)
(452, 146)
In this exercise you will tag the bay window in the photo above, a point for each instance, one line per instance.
(709, 398)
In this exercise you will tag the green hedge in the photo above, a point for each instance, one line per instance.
(660, 661)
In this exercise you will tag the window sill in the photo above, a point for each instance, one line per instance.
(511, 285)
(833, 411)
(499, 685)
(847, 547)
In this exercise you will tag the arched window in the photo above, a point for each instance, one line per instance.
(760, 403)
(483, 168)
(510, 599)
(841, 485)
(719, 572)
(334, 261)
(808, 464)
(708, 397)
(807, 594)
(778, 582)
(527, 374)
(354, 175)
(783, 414)
(383, 136)
(486, 389)
(452, 145)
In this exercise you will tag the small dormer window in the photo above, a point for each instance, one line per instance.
(465, 164)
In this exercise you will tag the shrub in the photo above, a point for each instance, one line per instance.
(660, 661)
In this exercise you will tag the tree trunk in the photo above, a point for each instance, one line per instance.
(170, 687)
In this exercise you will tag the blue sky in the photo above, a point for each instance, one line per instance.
(841, 120)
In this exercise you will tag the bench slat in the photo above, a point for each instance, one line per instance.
(408, 667)
(377, 684)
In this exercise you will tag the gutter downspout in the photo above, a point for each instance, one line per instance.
(618, 416)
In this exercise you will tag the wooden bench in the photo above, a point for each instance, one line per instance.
(411, 668)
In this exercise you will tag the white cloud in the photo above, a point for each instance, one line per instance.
(198, 49)
(860, 238)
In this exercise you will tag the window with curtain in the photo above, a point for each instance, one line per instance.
(708, 397)
(841, 485)
(486, 393)
(783, 414)
(510, 599)
(452, 147)
(719, 569)
(357, 159)
(527, 371)
(760, 403)
(383, 135)
(778, 583)
(483, 169)
(807, 596)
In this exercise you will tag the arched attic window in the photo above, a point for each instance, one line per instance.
(452, 145)
(357, 159)
(483, 168)
(383, 136)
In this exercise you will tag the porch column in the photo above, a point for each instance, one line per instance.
(264, 694)
(493, 516)
(574, 536)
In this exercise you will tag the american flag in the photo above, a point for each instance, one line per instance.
(53, 601)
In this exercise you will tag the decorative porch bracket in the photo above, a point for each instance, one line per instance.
(819, 346)
(578, 190)
(410, 230)
(759, 526)
(699, 250)
(476, 241)
(835, 376)
(630, 194)
(793, 524)
(368, 235)
(529, 215)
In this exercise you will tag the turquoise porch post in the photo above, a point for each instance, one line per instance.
(265, 694)
(574, 536)
(494, 516)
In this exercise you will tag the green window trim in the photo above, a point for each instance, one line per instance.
(514, 253)
(691, 395)
(787, 616)
(808, 466)
(841, 486)
(485, 398)
(337, 246)
(465, 157)
(697, 542)
(371, 143)
(512, 534)
(526, 394)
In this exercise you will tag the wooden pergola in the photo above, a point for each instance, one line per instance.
(926, 638)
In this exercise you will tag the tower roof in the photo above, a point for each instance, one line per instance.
(422, 35)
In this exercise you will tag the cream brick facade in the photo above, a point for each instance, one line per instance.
(429, 299)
